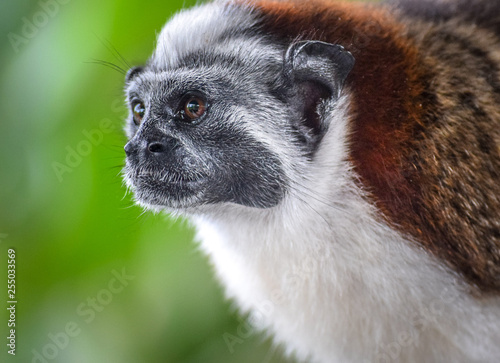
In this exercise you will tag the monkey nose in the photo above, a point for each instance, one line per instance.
(129, 148)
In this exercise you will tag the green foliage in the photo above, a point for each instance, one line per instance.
(65, 212)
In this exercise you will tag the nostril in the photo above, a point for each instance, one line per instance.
(164, 146)
(156, 147)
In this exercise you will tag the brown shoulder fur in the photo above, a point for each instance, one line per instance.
(426, 131)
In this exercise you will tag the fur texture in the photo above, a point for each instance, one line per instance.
(410, 127)
(365, 231)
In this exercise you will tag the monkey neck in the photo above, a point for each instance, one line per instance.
(311, 270)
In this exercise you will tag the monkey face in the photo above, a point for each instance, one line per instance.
(190, 145)
(221, 127)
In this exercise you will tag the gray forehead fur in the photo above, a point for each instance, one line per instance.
(204, 27)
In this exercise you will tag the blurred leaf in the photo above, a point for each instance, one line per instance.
(63, 207)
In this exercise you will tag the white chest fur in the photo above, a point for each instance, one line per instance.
(335, 284)
(351, 292)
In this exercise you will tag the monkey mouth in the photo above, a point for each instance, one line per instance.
(171, 189)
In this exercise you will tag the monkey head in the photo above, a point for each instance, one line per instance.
(227, 120)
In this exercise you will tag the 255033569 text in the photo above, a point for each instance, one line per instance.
(11, 294)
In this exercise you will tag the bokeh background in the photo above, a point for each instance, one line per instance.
(65, 212)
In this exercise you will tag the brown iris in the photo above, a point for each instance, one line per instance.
(139, 110)
(194, 108)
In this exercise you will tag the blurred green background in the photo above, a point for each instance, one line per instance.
(64, 209)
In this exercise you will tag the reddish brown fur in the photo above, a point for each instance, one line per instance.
(393, 106)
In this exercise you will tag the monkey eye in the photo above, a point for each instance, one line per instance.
(138, 110)
(192, 108)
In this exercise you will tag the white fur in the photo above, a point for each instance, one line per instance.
(205, 25)
(322, 270)
(337, 285)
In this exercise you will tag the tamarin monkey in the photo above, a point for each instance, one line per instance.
(341, 164)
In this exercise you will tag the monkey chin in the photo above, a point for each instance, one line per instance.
(169, 192)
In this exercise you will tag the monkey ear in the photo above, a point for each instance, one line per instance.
(315, 71)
